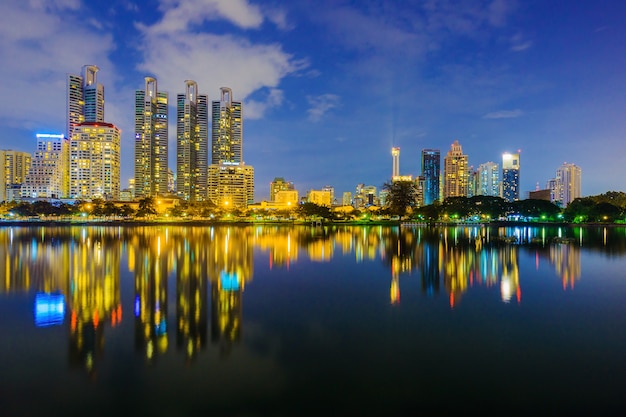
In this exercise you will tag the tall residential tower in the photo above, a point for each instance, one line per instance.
(455, 171)
(85, 98)
(230, 181)
(431, 171)
(192, 129)
(151, 132)
(510, 176)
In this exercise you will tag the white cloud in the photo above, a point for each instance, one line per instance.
(174, 52)
(254, 109)
(320, 105)
(504, 114)
(45, 40)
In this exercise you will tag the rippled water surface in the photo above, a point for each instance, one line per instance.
(269, 320)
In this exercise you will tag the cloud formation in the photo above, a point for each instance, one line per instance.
(504, 114)
(320, 105)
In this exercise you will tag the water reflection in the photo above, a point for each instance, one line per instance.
(76, 272)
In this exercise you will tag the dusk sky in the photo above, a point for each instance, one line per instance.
(329, 86)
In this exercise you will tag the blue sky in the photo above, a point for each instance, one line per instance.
(329, 86)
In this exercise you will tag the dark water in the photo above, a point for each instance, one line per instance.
(288, 321)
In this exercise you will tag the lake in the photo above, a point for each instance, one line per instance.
(297, 320)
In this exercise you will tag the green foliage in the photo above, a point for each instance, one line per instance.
(312, 210)
(539, 209)
(401, 196)
(146, 207)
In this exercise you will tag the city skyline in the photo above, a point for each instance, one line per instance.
(328, 89)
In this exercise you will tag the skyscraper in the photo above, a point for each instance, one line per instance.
(151, 132)
(455, 170)
(95, 161)
(567, 184)
(230, 180)
(85, 98)
(14, 166)
(510, 176)
(431, 171)
(395, 158)
(192, 131)
(48, 176)
(488, 179)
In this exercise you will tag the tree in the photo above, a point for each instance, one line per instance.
(312, 210)
(401, 196)
(146, 207)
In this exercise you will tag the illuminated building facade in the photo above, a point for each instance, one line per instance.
(395, 162)
(95, 161)
(346, 198)
(85, 98)
(151, 135)
(456, 173)
(48, 176)
(431, 172)
(488, 181)
(288, 198)
(192, 131)
(14, 167)
(279, 184)
(230, 181)
(319, 197)
(510, 176)
(566, 186)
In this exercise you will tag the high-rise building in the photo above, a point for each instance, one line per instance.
(95, 161)
(151, 135)
(279, 184)
(85, 98)
(395, 162)
(510, 176)
(431, 172)
(488, 179)
(192, 129)
(566, 186)
(455, 169)
(230, 181)
(48, 176)
(14, 166)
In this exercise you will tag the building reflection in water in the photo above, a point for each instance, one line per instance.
(75, 272)
(230, 263)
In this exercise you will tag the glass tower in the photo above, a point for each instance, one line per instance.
(431, 171)
(151, 134)
(510, 176)
(85, 98)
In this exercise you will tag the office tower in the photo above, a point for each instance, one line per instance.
(431, 171)
(279, 184)
(472, 181)
(14, 166)
(488, 179)
(48, 176)
(566, 186)
(395, 165)
(455, 171)
(319, 197)
(85, 98)
(331, 190)
(151, 132)
(230, 181)
(346, 199)
(95, 161)
(510, 176)
(192, 143)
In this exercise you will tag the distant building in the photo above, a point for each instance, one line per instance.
(14, 166)
(279, 184)
(331, 190)
(95, 161)
(540, 194)
(319, 197)
(455, 172)
(510, 176)
(566, 186)
(431, 172)
(286, 198)
(346, 199)
(229, 179)
(48, 176)
(151, 140)
(192, 143)
(488, 179)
